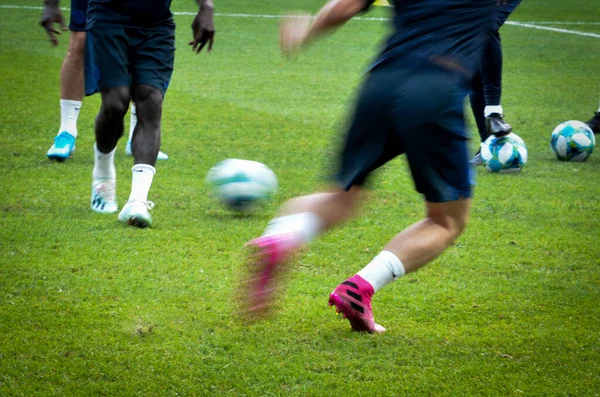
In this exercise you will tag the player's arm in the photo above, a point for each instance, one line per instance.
(50, 16)
(297, 30)
(203, 27)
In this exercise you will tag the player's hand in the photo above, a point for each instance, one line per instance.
(50, 16)
(293, 32)
(203, 29)
(503, 2)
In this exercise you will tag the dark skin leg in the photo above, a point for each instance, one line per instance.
(145, 142)
(109, 122)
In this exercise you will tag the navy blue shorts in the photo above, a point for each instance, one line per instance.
(504, 10)
(414, 111)
(118, 56)
(78, 15)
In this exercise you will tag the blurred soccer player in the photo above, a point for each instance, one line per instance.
(71, 77)
(410, 102)
(487, 84)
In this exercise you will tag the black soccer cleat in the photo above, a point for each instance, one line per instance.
(495, 125)
(594, 123)
(477, 159)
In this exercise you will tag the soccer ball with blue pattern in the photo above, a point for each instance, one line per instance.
(572, 141)
(242, 185)
(506, 154)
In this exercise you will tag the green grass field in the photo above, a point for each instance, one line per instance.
(89, 306)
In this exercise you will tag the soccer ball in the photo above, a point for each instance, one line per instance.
(242, 185)
(572, 141)
(506, 154)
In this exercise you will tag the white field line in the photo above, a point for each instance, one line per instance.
(531, 25)
(557, 30)
(230, 15)
(559, 23)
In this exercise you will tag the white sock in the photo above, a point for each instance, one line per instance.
(305, 226)
(383, 269)
(69, 113)
(104, 164)
(132, 122)
(141, 180)
(492, 109)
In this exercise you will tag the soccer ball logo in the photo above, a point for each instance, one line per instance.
(572, 141)
(241, 185)
(506, 154)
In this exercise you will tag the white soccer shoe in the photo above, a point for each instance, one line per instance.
(129, 153)
(135, 213)
(104, 196)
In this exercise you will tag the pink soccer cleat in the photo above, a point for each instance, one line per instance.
(265, 266)
(352, 298)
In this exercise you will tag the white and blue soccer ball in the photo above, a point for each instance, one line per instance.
(506, 154)
(242, 185)
(572, 141)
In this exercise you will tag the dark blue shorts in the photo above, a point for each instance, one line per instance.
(503, 11)
(78, 15)
(414, 111)
(119, 56)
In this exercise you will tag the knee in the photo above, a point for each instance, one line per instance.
(455, 224)
(115, 102)
(460, 224)
(77, 45)
(148, 104)
(148, 100)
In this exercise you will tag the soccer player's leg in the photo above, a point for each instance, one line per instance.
(594, 122)
(108, 48)
(491, 72)
(132, 124)
(406, 252)
(109, 128)
(299, 221)
(491, 69)
(447, 195)
(71, 85)
(151, 74)
(146, 142)
(477, 101)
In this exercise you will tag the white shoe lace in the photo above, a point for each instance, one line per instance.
(148, 204)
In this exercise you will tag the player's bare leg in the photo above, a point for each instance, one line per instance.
(109, 128)
(71, 73)
(406, 252)
(145, 141)
(425, 240)
(145, 147)
(71, 96)
(109, 122)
